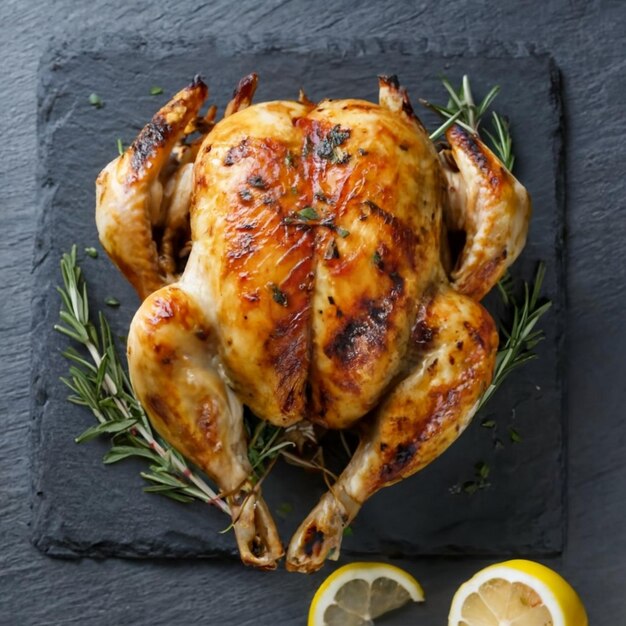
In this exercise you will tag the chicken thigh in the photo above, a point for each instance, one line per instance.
(319, 287)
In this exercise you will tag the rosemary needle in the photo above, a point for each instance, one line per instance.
(463, 110)
(99, 382)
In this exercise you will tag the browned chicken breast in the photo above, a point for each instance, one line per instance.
(318, 286)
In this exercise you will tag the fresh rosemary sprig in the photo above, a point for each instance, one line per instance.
(522, 336)
(462, 109)
(98, 381)
(266, 443)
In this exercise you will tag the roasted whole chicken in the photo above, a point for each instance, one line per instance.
(296, 258)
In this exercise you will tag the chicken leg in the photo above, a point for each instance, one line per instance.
(452, 356)
(174, 369)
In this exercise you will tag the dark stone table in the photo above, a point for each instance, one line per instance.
(586, 41)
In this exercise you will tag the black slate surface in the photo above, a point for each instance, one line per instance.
(82, 507)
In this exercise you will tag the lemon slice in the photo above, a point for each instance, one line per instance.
(517, 593)
(356, 594)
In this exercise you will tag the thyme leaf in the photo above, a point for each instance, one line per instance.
(96, 101)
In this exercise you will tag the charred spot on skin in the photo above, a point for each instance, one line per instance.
(474, 334)
(404, 147)
(289, 401)
(158, 407)
(423, 334)
(152, 137)
(313, 541)
(402, 456)
(236, 153)
(468, 143)
(389, 80)
(202, 334)
(257, 182)
(245, 195)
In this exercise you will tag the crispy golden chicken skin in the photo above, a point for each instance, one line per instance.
(319, 286)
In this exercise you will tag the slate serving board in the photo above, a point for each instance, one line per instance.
(83, 508)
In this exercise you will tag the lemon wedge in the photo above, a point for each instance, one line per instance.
(517, 593)
(358, 593)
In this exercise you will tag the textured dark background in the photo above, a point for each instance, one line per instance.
(586, 40)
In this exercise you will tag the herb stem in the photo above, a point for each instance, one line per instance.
(76, 315)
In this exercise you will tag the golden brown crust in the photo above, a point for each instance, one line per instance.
(489, 206)
(129, 193)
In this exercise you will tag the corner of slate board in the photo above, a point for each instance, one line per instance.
(84, 508)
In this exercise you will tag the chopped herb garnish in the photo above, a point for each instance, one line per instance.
(92, 252)
(488, 423)
(342, 232)
(328, 148)
(377, 260)
(284, 509)
(308, 213)
(514, 435)
(289, 159)
(110, 301)
(156, 91)
(348, 532)
(120, 146)
(279, 296)
(482, 470)
(96, 101)
(337, 135)
(294, 190)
